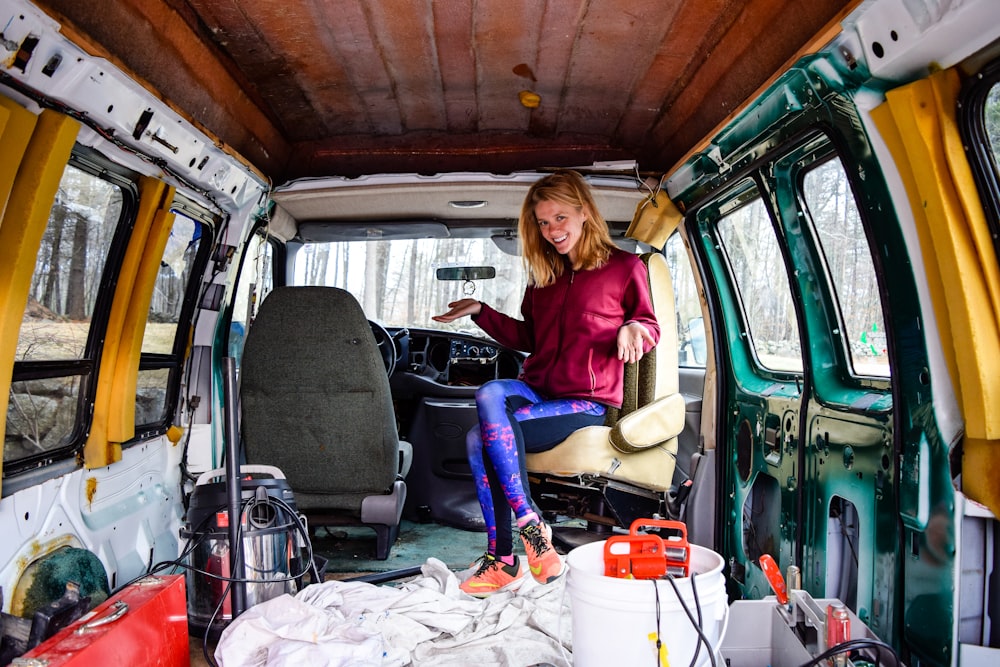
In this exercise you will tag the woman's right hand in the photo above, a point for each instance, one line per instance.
(459, 308)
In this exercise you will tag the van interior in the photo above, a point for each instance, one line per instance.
(226, 229)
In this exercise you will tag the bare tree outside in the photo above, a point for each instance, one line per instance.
(848, 257)
(75, 246)
(758, 269)
(991, 120)
(395, 280)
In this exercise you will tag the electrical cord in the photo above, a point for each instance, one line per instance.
(857, 645)
(697, 606)
(559, 621)
(696, 623)
(659, 641)
(199, 535)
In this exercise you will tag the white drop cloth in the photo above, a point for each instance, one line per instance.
(424, 621)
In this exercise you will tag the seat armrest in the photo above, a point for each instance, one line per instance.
(405, 459)
(651, 425)
(385, 508)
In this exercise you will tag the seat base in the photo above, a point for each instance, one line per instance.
(381, 513)
(588, 451)
(603, 503)
(567, 538)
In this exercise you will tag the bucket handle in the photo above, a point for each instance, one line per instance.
(258, 469)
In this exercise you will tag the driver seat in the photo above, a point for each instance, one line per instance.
(316, 404)
(620, 471)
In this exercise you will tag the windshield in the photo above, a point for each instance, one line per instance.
(395, 280)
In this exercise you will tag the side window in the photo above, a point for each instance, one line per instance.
(691, 348)
(57, 349)
(991, 121)
(837, 222)
(165, 340)
(747, 237)
(255, 282)
(979, 122)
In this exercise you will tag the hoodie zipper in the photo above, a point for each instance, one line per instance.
(562, 317)
(590, 370)
(562, 331)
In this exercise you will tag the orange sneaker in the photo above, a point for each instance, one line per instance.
(543, 561)
(493, 576)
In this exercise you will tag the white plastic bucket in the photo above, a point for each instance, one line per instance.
(613, 619)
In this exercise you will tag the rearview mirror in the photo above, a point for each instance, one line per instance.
(466, 273)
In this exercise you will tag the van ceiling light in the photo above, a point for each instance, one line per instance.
(529, 100)
(468, 203)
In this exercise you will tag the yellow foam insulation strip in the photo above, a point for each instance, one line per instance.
(891, 135)
(655, 219)
(121, 420)
(103, 446)
(918, 122)
(42, 159)
(16, 126)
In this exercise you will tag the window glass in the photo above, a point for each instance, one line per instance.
(255, 282)
(41, 416)
(171, 285)
(691, 348)
(151, 396)
(395, 280)
(992, 121)
(166, 310)
(68, 271)
(748, 239)
(837, 221)
(45, 392)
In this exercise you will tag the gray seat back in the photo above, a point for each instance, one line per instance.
(315, 398)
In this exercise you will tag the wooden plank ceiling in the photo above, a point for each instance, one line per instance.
(349, 87)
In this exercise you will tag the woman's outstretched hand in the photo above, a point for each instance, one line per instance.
(631, 337)
(459, 308)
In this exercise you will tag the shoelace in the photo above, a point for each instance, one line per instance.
(535, 539)
(486, 563)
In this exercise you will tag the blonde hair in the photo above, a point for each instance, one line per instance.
(542, 262)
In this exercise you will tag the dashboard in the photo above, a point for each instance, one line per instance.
(453, 359)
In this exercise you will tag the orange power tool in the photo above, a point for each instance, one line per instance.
(646, 555)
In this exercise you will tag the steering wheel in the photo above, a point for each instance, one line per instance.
(386, 346)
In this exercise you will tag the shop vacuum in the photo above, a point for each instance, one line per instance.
(274, 551)
(275, 555)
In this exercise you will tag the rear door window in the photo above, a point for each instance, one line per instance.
(748, 239)
(837, 221)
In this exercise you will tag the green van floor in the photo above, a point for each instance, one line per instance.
(350, 550)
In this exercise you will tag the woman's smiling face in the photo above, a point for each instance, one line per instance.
(561, 225)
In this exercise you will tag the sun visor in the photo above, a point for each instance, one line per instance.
(655, 220)
(281, 224)
(507, 243)
(326, 232)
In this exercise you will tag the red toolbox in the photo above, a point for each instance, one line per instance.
(143, 625)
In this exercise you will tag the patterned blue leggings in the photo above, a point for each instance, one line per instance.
(514, 419)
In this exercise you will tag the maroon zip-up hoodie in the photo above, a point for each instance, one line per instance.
(570, 329)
